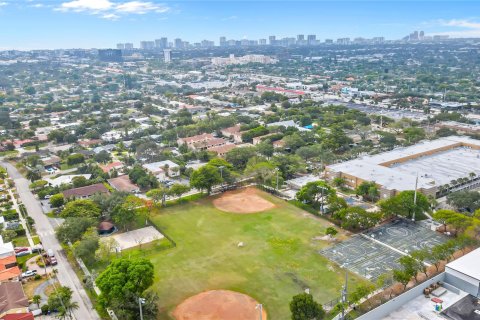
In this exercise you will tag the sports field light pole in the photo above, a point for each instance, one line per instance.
(259, 307)
(221, 176)
(415, 199)
(277, 170)
(140, 302)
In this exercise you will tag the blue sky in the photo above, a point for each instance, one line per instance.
(39, 24)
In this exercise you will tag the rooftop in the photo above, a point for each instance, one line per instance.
(85, 191)
(435, 169)
(469, 264)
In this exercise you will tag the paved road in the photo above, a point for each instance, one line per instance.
(66, 276)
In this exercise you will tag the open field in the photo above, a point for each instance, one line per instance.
(279, 258)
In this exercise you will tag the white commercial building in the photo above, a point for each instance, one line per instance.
(443, 165)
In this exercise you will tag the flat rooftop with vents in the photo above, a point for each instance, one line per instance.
(443, 165)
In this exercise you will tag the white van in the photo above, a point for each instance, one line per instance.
(50, 253)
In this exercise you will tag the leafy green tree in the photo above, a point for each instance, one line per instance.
(159, 195)
(86, 247)
(75, 159)
(178, 189)
(239, 157)
(79, 181)
(205, 178)
(57, 200)
(402, 277)
(124, 276)
(72, 229)
(331, 231)
(316, 193)
(403, 204)
(81, 208)
(61, 300)
(8, 235)
(464, 200)
(124, 216)
(409, 265)
(33, 175)
(357, 218)
(37, 299)
(368, 190)
(304, 307)
(102, 157)
(414, 134)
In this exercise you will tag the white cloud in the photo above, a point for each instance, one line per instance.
(110, 16)
(2, 4)
(461, 28)
(140, 7)
(230, 18)
(112, 10)
(86, 5)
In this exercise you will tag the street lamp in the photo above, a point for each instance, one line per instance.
(259, 307)
(140, 302)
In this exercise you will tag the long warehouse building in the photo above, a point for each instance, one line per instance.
(443, 165)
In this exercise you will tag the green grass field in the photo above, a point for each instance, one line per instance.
(279, 258)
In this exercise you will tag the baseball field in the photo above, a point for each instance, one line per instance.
(247, 242)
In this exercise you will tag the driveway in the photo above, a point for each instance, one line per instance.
(66, 276)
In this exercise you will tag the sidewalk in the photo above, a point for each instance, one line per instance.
(22, 219)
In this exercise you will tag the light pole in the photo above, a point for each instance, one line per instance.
(221, 176)
(277, 170)
(140, 302)
(259, 307)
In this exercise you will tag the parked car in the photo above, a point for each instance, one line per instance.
(21, 249)
(37, 248)
(50, 253)
(23, 253)
(51, 261)
(29, 273)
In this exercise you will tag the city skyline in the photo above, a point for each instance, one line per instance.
(38, 24)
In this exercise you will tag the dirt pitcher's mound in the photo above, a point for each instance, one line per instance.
(242, 201)
(218, 305)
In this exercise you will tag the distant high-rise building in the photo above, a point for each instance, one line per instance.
(161, 43)
(378, 40)
(262, 42)
(207, 43)
(167, 55)
(120, 46)
(311, 39)
(328, 41)
(272, 40)
(147, 45)
(422, 35)
(414, 36)
(300, 37)
(178, 43)
(128, 46)
(223, 41)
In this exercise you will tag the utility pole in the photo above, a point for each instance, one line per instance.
(259, 307)
(344, 296)
(140, 302)
(415, 198)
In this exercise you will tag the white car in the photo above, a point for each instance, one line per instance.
(29, 273)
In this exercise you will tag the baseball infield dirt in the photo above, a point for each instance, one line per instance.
(242, 201)
(219, 305)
